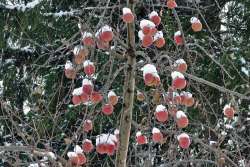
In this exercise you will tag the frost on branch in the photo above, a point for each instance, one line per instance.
(22, 7)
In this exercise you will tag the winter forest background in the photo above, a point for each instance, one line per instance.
(40, 125)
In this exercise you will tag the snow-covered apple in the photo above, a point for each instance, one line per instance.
(87, 146)
(157, 136)
(140, 138)
(181, 119)
(127, 16)
(184, 140)
(89, 67)
(161, 113)
(155, 18)
(87, 39)
(196, 24)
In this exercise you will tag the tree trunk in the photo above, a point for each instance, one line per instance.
(129, 86)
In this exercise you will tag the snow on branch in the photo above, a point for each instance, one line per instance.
(63, 13)
(22, 7)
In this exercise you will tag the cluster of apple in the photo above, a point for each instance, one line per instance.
(178, 83)
(196, 24)
(149, 34)
(107, 109)
(77, 157)
(184, 98)
(106, 144)
(161, 115)
(157, 137)
(86, 94)
(80, 54)
(102, 38)
(228, 111)
(172, 98)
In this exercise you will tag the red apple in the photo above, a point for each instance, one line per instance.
(161, 113)
(87, 86)
(106, 34)
(159, 43)
(229, 111)
(179, 83)
(69, 70)
(110, 149)
(87, 146)
(147, 27)
(127, 16)
(171, 4)
(182, 122)
(184, 140)
(89, 68)
(181, 119)
(141, 139)
(180, 65)
(161, 116)
(112, 98)
(96, 97)
(189, 101)
(107, 109)
(146, 30)
(178, 40)
(88, 39)
(155, 19)
(101, 148)
(78, 160)
(156, 81)
(87, 126)
(76, 100)
(157, 135)
(147, 40)
(84, 98)
(149, 79)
